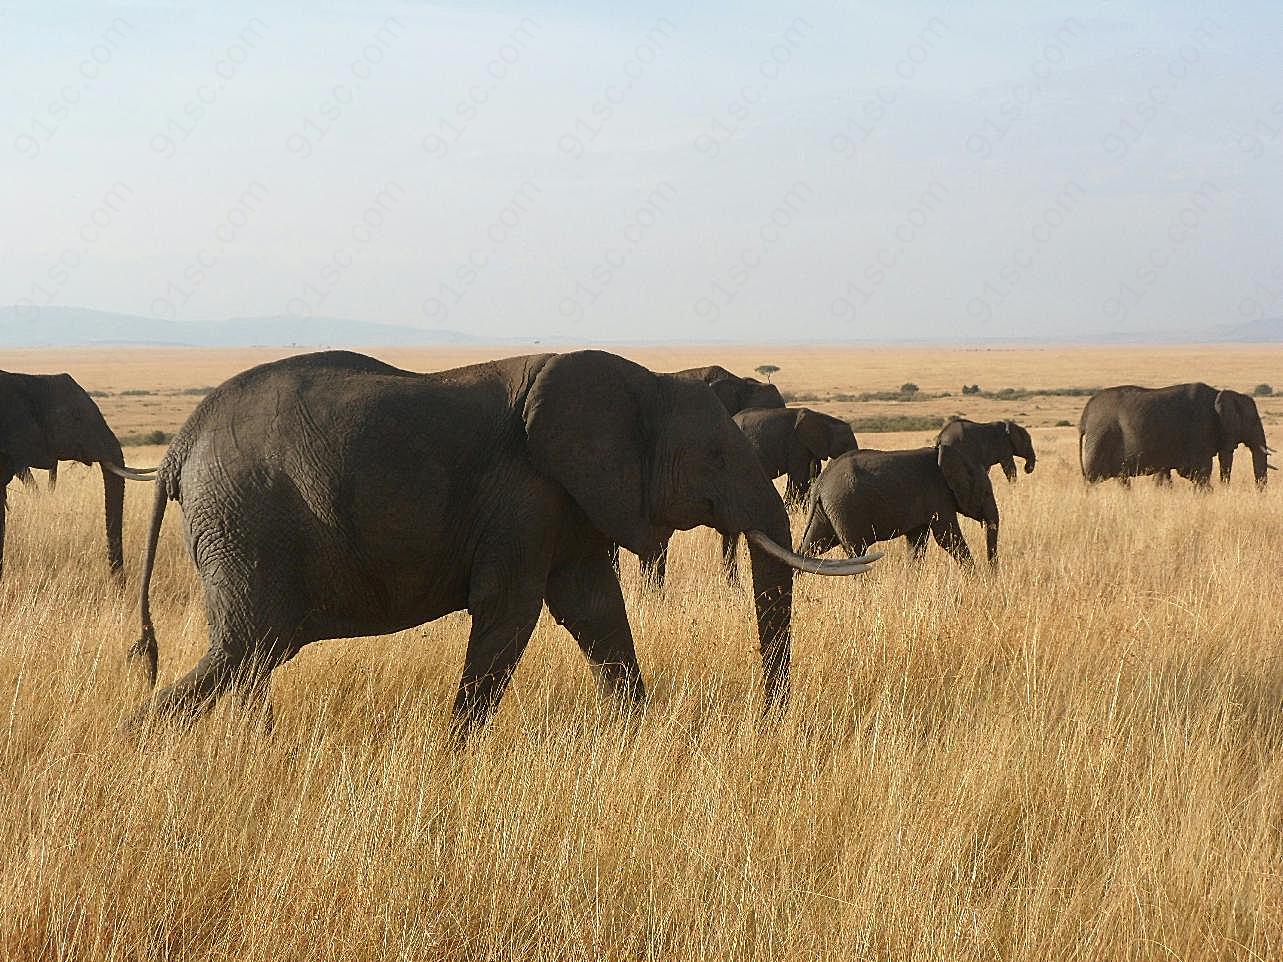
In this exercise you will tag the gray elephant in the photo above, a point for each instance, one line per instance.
(864, 497)
(47, 418)
(792, 442)
(333, 496)
(991, 442)
(1128, 431)
(736, 393)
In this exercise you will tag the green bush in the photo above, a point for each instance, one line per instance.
(146, 437)
(908, 388)
(1064, 424)
(1263, 390)
(881, 423)
(137, 392)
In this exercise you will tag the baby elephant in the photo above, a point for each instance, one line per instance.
(869, 496)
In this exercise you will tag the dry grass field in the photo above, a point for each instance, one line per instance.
(1078, 756)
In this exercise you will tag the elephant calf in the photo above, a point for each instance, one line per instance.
(792, 443)
(991, 442)
(868, 496)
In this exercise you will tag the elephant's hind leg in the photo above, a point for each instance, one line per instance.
(654, 566)
(917, 539)
(584, 597)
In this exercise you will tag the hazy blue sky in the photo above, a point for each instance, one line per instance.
(814, 171)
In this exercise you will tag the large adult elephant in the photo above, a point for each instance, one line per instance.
(790, 442)
(330, 496)
(736, 394)
(991, 442)
(47, 418)
(1128, 431)
(864, 497)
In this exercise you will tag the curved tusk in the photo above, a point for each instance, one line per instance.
(815, 566)
(128, 473)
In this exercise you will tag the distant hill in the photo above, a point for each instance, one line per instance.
(85, 327)
(1255, 332)
(80, 326)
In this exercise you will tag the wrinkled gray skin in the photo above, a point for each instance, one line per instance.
(47, 418)
(991, 442)
(869, 496)
(792, 442)
(333, 496)
(1128, 431)
(736, 394)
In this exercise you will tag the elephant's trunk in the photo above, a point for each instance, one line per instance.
(114, 503)
(991, 541)
(1260, 464)
(773, 600)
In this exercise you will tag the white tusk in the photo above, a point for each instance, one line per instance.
(128, 473)
(815, 566)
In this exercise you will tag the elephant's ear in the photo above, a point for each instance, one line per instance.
(22, 442)
(1234, 416)
(815, 433)
(730, 391)
(588, 417)
(968, 482)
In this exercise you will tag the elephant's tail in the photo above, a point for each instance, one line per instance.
(145, 647)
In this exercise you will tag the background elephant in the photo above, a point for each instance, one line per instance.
(792, 442)
(991, 442)
(353, 498)
(1127, 431)
(736, 393)
(47, 418)
(868, 496)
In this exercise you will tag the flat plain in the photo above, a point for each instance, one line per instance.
(1076, 756)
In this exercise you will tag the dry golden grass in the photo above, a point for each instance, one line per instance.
(1079, 756)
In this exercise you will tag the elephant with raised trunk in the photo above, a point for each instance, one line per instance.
(791, 442)
(47, 418)
(991, 442)
(331, 495)
(1128, 431)
(869, 496)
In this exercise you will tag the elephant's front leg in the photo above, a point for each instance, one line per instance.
(503, 618)
(730, 568)
(583, 595)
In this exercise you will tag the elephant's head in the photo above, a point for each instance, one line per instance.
(644, 453)
(1022, 446)
(969, 483)
(1239, 422)
(824, 435)
(46, 418)
(741, 393)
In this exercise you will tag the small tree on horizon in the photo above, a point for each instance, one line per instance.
(766, 370)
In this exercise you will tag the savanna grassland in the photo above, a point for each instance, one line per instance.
(1078, 756)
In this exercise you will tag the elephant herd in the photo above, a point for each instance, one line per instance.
(331, 495)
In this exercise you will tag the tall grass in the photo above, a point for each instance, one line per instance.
(1079, 756)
